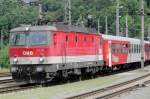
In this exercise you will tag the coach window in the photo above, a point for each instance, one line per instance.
(113, 48)
(140, 48)
(122, 49)
(129, 48)
(137, 48)
(67, 39)
(132, 48)
(117, 49)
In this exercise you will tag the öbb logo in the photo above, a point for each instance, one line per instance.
(27, 52)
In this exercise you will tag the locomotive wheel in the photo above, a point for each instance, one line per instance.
(65, 73)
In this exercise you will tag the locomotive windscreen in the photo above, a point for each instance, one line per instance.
(29, 38)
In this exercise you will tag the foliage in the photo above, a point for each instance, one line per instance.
(13, 13)
(4, 61)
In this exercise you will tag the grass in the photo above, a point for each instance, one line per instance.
(57, 91)
(4, 70)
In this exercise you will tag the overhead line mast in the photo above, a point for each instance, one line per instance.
(142, 34)
(117, 19)
(127, 34)
(67, 8)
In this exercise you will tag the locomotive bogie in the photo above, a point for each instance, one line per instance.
(44, 73)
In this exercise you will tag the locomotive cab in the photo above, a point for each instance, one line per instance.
(29, 48)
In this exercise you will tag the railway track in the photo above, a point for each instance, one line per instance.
(6, 81)
(114, 90)
(7, 74)
(15, 87)
(9, 85)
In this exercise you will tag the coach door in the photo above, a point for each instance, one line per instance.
(109, 54)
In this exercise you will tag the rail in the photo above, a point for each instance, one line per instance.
(114, 90)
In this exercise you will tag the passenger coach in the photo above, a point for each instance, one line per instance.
(120, 52)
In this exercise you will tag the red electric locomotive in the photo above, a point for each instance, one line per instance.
(41, 53)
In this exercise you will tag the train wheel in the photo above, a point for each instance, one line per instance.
(65, 73)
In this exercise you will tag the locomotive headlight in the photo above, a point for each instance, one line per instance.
(39, 69)
(14, 69)
(15, 60)
(41, 60)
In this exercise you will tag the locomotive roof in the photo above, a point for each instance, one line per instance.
(134, 40)
(64, 28)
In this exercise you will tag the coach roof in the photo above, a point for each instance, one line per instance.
(64, 28)
(110, 37)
